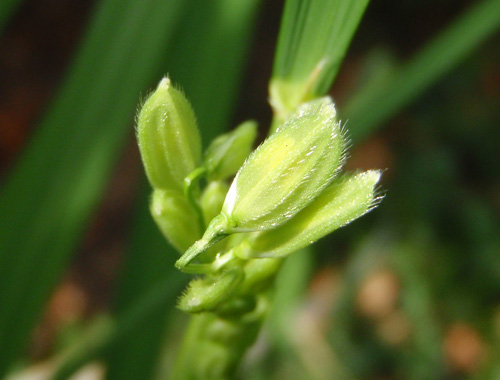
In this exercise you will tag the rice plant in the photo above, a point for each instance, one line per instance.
(272, 285)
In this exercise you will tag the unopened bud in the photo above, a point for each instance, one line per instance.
(346, 199)
(228, 152)
(168, 137)
(176, 218)
(212, 199)
(288, 170)
(205, 294)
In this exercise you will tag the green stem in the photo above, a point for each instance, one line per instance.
(215, 343)
(215, 232)
(191, 190)
(183, 368)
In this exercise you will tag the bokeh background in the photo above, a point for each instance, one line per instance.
(412, 291)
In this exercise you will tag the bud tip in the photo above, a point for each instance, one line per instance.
(164, 83)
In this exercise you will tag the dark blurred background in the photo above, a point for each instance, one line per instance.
(423, 281)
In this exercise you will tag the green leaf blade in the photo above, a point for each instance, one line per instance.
(373, 107)
(55, 187)
(312, 43)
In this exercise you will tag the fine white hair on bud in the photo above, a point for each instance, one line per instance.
(168, 137)
(174, 217)
(288, 170)
(227, 152)
(346, 199)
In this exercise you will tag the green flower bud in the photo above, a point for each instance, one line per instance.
(212, 199)
(206, 294)
(168, 137)
(237, 305)
(284, 174)
(288, 170)
(259, 274)
(224, 331)
(176, 218)
(346, 199)
(227, 152)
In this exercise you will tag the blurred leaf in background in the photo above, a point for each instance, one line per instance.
(410, 292)
(53, 189)
(7, 8)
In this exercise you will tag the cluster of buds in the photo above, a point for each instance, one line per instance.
(285, 195)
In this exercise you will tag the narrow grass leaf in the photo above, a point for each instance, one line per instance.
(313, 39)
(371, 108)
(53, 189)
(7, 9)
(207, 59)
